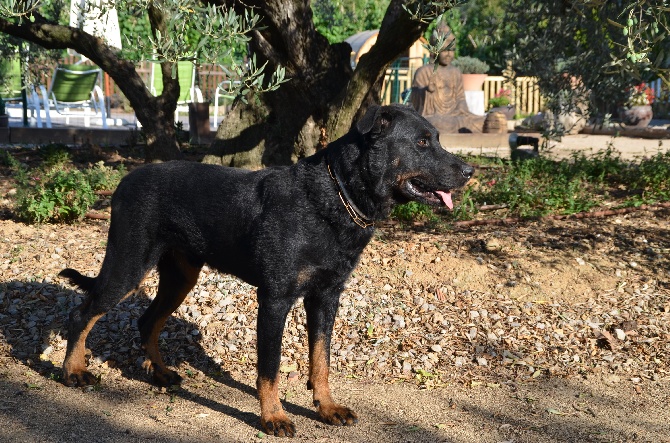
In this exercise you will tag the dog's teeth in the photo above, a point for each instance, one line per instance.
(446, 198)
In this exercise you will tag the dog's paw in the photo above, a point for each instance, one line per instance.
(278, 425)
(162, 377)
(337, 415)
(79, 379)
(166, 378)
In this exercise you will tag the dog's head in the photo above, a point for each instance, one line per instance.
(406, 158)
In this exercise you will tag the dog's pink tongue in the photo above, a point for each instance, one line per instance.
(446, 198)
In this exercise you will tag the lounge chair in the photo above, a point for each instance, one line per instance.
(76, 87)
(12, 96)
(221, 94)
(188, 91)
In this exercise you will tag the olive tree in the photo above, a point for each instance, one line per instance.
(589, 52)
(218, 27)
(275, 126)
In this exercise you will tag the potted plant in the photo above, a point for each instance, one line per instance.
(637, 111)
(4, 118)
(501, 102)
(474, 72)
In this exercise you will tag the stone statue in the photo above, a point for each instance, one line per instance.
(438, 94)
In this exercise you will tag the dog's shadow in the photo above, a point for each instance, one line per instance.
(33, 316)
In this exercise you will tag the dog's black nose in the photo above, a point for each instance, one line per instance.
(468, 171)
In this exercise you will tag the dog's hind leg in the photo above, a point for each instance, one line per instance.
(272, 314)
(321, 310)
(178, 275)
(117, 280)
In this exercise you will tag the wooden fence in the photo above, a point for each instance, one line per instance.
(524, 92)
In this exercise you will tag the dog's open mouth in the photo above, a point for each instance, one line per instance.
(418, 190)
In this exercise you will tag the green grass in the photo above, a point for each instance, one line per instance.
(539, 186)
(57, 191)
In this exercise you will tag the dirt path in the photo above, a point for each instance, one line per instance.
(561, 410)
(630, 148)
(543, 332)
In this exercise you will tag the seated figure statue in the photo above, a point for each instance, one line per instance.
(438, 94)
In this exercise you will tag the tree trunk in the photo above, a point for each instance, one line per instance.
(155, 113)
(324, 95)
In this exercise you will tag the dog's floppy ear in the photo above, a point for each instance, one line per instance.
(375, 121)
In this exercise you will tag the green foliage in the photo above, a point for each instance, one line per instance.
(133, 21)
(539, 186)
(36, 61)
(56, 192)
(645, 28)
(53, 195)
(471, 65)
(104, 178)
(413, 211)
(483, 32)
(502, 98)
(7, 159)
(339, 20)
(167, 31)
(649, 181)
(53, 155)
(569, 50)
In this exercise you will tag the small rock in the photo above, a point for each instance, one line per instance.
(492, 245)
(620, 335)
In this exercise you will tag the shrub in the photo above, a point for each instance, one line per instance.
(54, 154)
(502, 98)
(104, 178)
(53, 195)
(56, 192)
(471, 65)
(413, 211)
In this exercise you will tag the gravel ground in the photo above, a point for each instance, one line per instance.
(527, 312)
(547, 331)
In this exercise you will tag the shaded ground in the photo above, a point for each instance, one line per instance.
(540, 332)
(539, 361)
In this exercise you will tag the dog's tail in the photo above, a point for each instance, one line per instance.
(75, 277)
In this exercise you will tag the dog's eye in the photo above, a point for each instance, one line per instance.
(423, 142)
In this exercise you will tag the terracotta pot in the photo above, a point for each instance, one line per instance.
(474, 82)
(637, 116)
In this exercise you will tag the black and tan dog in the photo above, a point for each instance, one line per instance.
(294, 232)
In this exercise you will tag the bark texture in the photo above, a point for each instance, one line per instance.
(155, 113)
(323, 97)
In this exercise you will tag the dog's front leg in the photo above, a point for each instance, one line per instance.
(321, 310)
(270, 328)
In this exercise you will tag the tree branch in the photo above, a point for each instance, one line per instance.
(398, 32)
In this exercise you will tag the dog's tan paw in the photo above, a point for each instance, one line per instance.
(79, 379)
(278, 425)
(337, 415)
